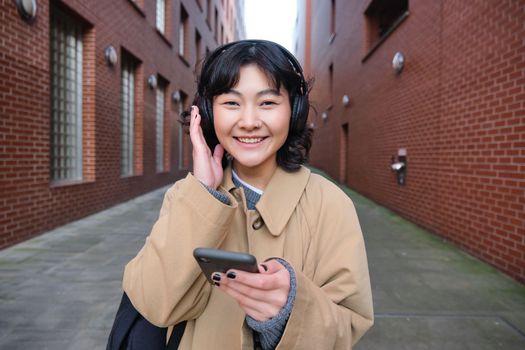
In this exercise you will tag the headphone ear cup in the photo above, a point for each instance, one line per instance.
(299, 112)
(295, 109)
(208, 111)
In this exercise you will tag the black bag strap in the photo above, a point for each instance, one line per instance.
(124, 320)
(132, 331)
(176, 336)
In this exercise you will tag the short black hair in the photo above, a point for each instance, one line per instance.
(220, 72)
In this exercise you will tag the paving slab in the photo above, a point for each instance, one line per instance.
(61, 290)
(428, 294)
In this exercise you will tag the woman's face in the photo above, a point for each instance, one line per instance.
(252, 121)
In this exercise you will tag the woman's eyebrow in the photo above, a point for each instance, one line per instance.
(270, 91)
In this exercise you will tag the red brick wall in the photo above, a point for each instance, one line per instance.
(29, 202)
(458, 107)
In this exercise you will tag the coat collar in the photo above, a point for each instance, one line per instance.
(280, 197)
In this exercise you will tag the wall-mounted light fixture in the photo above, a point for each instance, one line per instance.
(27, 9)
(152, 81)
(399, 166)
(111, 55)
(324, 116)
(176, 96)
(398, 62)
(346, 100)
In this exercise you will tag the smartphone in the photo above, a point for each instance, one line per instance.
(215, 260)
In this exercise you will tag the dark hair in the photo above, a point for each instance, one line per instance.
(220, 72)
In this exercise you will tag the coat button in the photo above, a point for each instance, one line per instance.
(258, 223)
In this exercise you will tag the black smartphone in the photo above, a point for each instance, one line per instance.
(215, 260)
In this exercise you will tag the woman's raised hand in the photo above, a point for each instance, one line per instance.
(207, 167)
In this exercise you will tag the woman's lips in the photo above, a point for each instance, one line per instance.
(250, 140)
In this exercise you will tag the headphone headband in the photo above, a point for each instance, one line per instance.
(296, 66)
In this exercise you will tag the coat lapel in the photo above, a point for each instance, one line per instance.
(280, 198)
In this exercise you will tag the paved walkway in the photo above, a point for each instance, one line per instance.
(61, 289)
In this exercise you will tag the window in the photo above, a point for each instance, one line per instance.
(198, 47)
(209, 13)
(66, 96)
(332, 21)
(331, 82)
(161, 16)
(183, 34)
(127, 111)
(216, 22)
(343, 153)
(183, 138)
(160, 116)
(382, 17)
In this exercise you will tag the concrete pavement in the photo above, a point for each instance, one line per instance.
(61, 290)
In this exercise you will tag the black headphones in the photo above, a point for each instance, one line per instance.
(300, 105)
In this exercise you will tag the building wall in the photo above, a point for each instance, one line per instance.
(302, 34)
(458, 108)
(30, 203)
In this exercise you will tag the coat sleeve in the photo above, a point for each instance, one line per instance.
(333, 305)
(164, 282)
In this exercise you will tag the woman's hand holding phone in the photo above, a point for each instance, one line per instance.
(207, 167)
(261, 295)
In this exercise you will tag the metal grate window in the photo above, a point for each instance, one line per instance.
(161, 15)
(160, 127)
(66, 97)
(127, 101)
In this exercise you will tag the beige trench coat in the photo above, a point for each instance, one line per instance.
(308, 221)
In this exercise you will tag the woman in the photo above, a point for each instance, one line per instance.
(252, 194)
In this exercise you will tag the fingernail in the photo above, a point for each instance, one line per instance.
(216, 277)
(231, 275)
(264, 267)
(217, 284)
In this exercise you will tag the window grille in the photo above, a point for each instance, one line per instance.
(66, 97)
(127, 101)
(160, 128)
(161, 15)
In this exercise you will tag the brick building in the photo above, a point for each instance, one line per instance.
(90, 93)
(455, 113)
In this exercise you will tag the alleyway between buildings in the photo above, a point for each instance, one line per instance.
(61, 290)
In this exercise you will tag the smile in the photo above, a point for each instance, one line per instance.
(250, 140)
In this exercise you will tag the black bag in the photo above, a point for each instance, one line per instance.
(131, 331)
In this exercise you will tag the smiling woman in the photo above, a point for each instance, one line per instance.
(251, 122)
(249, 192)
